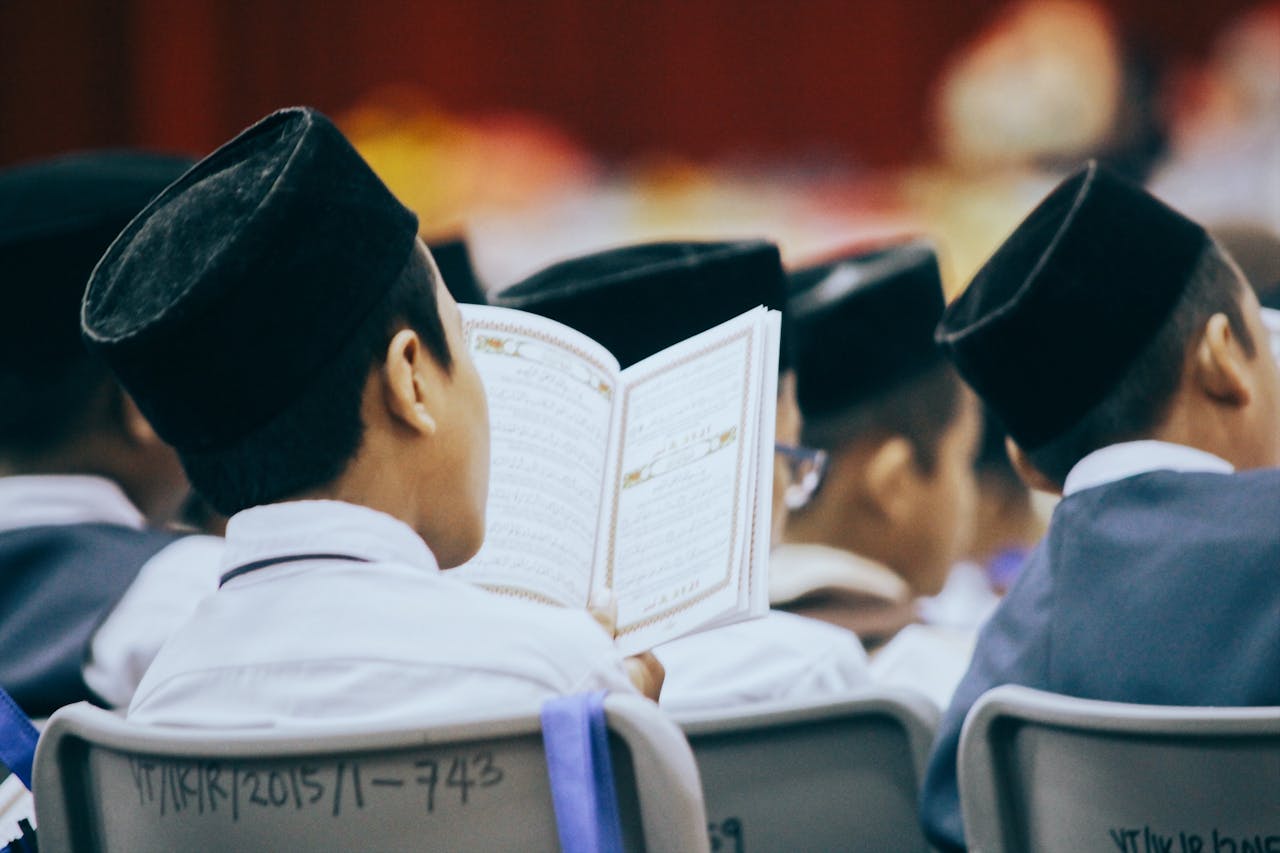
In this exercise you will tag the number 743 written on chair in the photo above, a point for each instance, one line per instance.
(231, 790)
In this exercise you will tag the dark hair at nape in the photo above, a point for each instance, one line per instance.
(46, 408)
(921, 409)
(1140, 401)
(311, 442)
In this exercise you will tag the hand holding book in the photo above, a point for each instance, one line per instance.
(645, 670)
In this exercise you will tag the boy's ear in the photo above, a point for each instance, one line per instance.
(892, 476)
(1030, 474)
(1218, 366)
(405, 382)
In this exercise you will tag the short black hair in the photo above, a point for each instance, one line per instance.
(921, 409)
(311, 442)
(1141, 400)
(45, 407)
(50, 384)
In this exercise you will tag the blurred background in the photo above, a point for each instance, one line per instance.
(542, 128)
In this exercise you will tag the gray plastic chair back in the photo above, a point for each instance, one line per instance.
(1044, 772)
(843, 774)
(103, 784)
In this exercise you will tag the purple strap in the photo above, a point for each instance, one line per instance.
(576, 740)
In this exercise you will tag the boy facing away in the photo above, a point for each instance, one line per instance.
(1127, 358)
(894, 511)
(280, 323)
(88, 590)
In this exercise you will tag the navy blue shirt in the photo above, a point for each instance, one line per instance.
(1161, 588)
(57, 584)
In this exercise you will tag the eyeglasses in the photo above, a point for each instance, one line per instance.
(806, 465)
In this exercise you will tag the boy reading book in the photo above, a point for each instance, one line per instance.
(638, 301)
(1127, 358)
(279, 321)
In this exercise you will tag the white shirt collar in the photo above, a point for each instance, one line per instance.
(1130, 458)
(798, 568)
(49, 499)
(322, 527)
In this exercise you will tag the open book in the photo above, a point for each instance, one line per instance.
(653, 483)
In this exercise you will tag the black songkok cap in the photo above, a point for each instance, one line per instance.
(57, 217)
(238, 283)
(453, 259)
(1058, 314)
(863, 325)
(639, 300)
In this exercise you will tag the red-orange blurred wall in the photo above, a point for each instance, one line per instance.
(699, 78)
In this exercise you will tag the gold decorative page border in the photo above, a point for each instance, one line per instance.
(749, 334)
(711, 445)
(470, 326)
(519, 592)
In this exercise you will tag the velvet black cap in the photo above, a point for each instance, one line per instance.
(57, 217)
(453, 259)
(1053, 320)
(230, 292)
(638, 300)
(863, 325)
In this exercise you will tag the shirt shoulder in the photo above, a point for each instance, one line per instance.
(359, 635)
(778, 656)
(162, 597)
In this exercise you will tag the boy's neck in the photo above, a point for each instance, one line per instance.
(1209, 431)
(823, 523)
(1006, 518)
(345, 490)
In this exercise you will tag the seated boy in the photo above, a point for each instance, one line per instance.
(88, 591)
(278, 320)
(636, 301)
(1126, 356)
(893, 512)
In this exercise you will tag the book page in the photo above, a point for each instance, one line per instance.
(551, 416)
(757, 589)
(753, 586)
(686, 482)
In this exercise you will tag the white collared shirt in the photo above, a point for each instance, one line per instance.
(55, 499)
(1131, 458)
(929, 659)
(338, 641)
(965, 601)
(778, 656)
(162, 596)
(798, 568)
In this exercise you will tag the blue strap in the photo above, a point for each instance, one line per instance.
(576, 740)
(17, 739)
